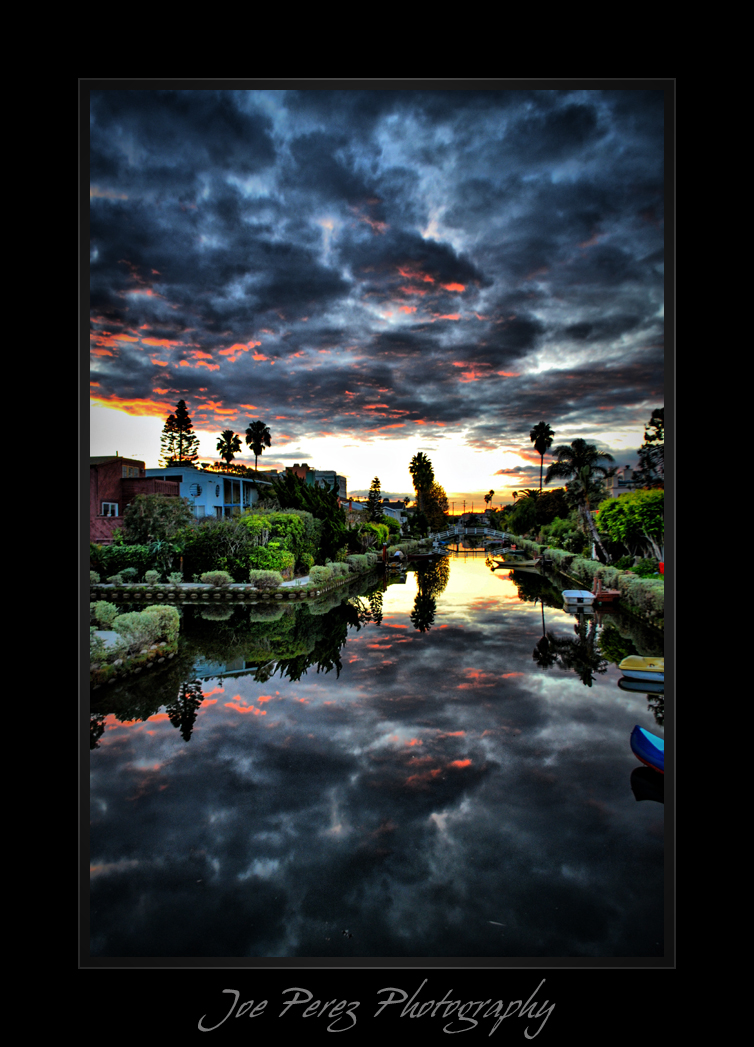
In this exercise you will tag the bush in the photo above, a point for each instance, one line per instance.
(152, 577)
(115, 579)
(168, 620)
(96, 646)
(112, 559)
(216, 578)
(93, 578)
(358, 561)
(320, 575)
(646, 568)
(273, 557)
(216, 614)
(176, 578)
(137, 628)
(129, 574)
(339, 569)
(103, 613)
(265, 580)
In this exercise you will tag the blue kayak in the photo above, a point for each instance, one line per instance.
(648, 748)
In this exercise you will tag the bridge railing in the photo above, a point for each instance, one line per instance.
(460, 532)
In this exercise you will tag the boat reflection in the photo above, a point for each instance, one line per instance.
(647, 784)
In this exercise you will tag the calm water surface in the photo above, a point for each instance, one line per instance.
(458, 784)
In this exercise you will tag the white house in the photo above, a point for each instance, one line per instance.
(211, 494)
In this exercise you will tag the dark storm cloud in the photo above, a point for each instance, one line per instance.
(318, 247)
(164, 139)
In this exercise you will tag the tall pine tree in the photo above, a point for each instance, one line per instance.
(374, 510)
(179, 445)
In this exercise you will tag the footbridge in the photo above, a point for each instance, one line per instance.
(459, 532)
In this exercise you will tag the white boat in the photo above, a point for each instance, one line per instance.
(580, 597)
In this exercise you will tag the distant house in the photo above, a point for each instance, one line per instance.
(321, 478)
(621, 482)
(114, 482)
(396, 510)
(211, 493)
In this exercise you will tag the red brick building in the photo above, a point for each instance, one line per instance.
(113, 483)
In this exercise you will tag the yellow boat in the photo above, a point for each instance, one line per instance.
(636, 668)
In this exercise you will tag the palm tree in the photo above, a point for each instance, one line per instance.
(581, 462)
(228, 445)
(488, 497)
(423, 476)
(541, 436)
(258, 437)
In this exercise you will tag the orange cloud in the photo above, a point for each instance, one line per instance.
(407, 309)
(160, 341)
(454, 287)
(242, 708)
(415, 273)
(134, 406)
(460, 763)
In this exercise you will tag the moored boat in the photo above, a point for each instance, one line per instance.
(580, 597)
(604, 595)
(514, 563)
(642, 686)
(648, 748)
(638, 668)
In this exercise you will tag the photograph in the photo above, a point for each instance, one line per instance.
(377, 380)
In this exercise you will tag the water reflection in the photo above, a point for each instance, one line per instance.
(394, 762)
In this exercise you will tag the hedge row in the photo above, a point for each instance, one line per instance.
(645, 595)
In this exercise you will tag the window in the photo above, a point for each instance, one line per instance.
(109, 508)
(199, 510)
(130, 470)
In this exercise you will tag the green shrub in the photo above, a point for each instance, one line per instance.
(96, 646)
(176, 578)
(646, 568)
(339, 569)
(104, 613)
(137, 629)
(115, 579)
(272, 557)
(93, 578)
(112, 559)
(320, 575)
(152, 577)
(216, 578)
(129, 574)
(216, 614)
(623, 563)
(168, 620)
(358, 561)
(272, 612)
(265, 580)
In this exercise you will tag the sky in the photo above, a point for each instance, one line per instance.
(374, 273)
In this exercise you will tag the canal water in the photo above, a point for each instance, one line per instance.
(434, 767)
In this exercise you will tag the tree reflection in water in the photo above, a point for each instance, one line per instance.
(580, 655)
(431, 579)
(182, 712)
